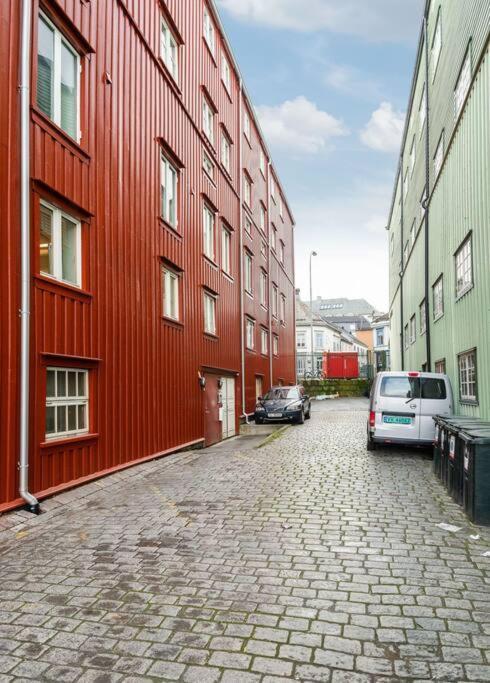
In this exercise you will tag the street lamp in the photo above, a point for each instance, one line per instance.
(312, 253)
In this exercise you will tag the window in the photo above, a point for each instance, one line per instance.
(208, 232)
(170, 294)
(399, 387)
(248, 226)
(440, 367)
(246, 125)
(281, 251)
(438, 298)
(248, 272)
(209, 313)
(273, 189)
(209, 32)
(463, 84)
(250, 334)
(262, 217)
(405, 253)
(380, 336)
(405, 331)
(464, 268)
(283, 308)
(301, 340)
(405, 184)
(392, 244)
(169, 49)
(247, 190)
(264, 342)
(208, 166)
(439, 156)
(66, 402)
(422, 207)
(422, 109)
(436, 44)
(60, 245)
(423, 318)
(412, 157)
(274, 300)
(208, 120)
(433, 389)
(263, 288)
(275, 345)
(319, 340)
(58, 78)
(226, 251)
(169, 185)
(281, 206)
(263, 249)
(262, 162)
(273, 238)
(468, 390)
(413, 329)
(225, 152)
(226, 73)
(413, 232)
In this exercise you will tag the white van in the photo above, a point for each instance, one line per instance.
(402, 406)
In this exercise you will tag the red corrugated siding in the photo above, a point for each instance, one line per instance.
(145, 397)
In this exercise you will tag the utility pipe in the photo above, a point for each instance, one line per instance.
(402, 264)
(32, 504)
(269, 264)
(242, 305)
(427, 195)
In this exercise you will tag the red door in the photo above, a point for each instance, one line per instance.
(212, 424)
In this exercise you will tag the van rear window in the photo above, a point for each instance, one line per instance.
(399, 387)
(434, 389)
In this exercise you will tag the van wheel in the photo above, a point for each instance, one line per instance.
(371, 445)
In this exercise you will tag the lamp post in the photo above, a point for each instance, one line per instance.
(312, 253)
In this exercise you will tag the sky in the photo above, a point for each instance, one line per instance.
(330, 81)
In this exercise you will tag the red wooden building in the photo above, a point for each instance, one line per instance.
(158, 243)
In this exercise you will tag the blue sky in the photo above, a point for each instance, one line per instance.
(330, 80)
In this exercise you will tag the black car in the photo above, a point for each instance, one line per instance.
(283, 404)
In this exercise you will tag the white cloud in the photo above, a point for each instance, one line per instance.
(351, 81)
(384, 130)
(299, 126)
(374, 20)
(348, 233)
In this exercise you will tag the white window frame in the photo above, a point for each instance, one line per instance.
(274, 238)
(264, 342)
(248, 272)
(413, 232)
(263, 217)
(263, 249)
(463, 263)
(283, 309)
(208, 119)
(209, 302)
(60, 39)
(281, 206)
(275, 300)
(273, 190)
(171, 293)
(65, 401)
(319, 340)
(281, 251)
(226, 250)
(436, 48)
(438, 298)
(423, 318)
(56, 238)
(226, 73)
(225, 152)
(248, 226)
(250, 334)
(262, 161)
(405, 184)
(208, 166)
(170, 174)
(413, 329)
(263, 288)
(413, 152)
(209, 221)
(169, 49)
(209, 32)
(275, 345)
(423, 109)
(468, 377)
(405, 330)
(439, 156)
(301, 339)
(463, 83)
(247, 190)
(246, 125)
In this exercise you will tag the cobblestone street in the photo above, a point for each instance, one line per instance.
(308, 559)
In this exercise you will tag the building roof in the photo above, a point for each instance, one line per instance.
(341, 307)
(303, 317)
(360, 321)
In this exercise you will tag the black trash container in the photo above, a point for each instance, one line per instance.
(476, 474)
(444, 438)
(455, 465)
(436, 462)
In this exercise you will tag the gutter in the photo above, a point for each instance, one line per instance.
(426, 207)
(402, 265)
(32, 504)
(240, 222)
(269, 264)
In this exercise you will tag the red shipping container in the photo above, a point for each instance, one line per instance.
(340, 365)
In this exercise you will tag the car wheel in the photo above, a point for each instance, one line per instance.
(371, 445)
(301, 419)
(308, 414)
(259, 421)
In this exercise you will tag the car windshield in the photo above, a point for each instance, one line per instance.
(400, 387)
(282, 393)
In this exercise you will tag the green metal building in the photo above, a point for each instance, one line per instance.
(439, 226)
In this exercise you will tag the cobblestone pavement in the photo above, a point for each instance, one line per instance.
(308, 559)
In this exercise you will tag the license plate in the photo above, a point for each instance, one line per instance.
(397, 420)
(275, 415)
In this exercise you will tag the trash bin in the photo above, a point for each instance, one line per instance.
(476, 473)
(455, 464)
(436, 462)
(444, 438)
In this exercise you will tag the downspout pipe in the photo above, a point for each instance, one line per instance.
(32, 504)
(402, 265)
(269, 263)
(426, 207)
(242, 304)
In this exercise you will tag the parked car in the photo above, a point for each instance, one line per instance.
(289, 404)
(402, 405)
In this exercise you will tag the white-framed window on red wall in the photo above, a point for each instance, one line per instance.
(60, 245)
(67, 402)
(171, 293)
